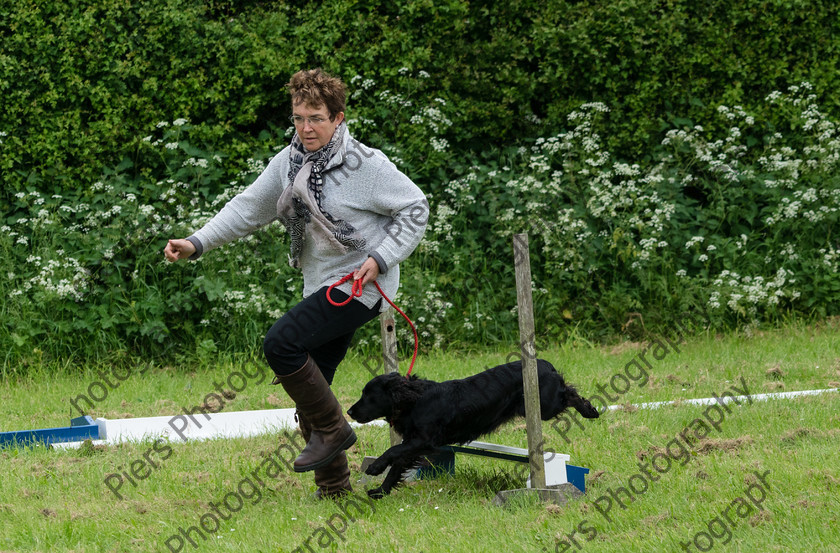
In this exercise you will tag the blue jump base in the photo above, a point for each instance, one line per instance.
(444, 463)
(80, 429)
(577, 476)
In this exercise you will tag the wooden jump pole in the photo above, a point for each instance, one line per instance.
(527, 334)
(390, 358)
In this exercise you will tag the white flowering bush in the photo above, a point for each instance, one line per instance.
(85, 271)
(740, 224)
(412, 124)
(742, 227)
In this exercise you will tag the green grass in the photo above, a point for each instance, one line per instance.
(57, 501)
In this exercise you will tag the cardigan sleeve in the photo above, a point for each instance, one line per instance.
(254, 207)
(398, 197)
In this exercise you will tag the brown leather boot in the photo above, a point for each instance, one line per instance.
(331, 433)
(333, 480)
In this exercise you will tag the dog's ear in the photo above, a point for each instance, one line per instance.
(404, 391)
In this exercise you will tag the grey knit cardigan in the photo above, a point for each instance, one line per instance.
(362, 187)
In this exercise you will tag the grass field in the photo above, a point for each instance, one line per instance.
(760, 476)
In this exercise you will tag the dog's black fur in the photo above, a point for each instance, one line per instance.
(431, 414)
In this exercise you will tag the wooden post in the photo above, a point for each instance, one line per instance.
(533, 420)
(389, 352)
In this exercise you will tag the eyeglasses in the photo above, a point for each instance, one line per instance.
(313, 121)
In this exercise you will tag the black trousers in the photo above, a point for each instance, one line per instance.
(315, 327)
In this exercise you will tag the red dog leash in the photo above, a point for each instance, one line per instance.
(356, 292)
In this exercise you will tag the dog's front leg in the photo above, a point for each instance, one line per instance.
(401, 458)
(395, 477)
(382, 462)
(409, 449)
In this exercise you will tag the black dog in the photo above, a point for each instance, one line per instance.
(431, 414)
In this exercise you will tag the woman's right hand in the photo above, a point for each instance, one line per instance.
(178, 249)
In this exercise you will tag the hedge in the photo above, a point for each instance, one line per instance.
(81, 81)
(664, 156)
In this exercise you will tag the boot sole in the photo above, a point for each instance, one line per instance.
(348, 442)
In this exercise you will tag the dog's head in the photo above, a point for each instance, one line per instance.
(580, 403)
(384, 396)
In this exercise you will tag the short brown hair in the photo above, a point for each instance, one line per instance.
(316, 88)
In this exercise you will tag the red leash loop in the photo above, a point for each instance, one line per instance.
(357, 293)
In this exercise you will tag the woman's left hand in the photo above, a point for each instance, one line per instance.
(368, 272)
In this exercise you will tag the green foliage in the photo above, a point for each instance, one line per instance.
(85, 274)
(446, 514)
(739, 228)
(80, 81)
(124, 124)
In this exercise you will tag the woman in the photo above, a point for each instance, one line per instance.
(348, 210)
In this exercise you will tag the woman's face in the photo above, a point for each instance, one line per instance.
(314, 127)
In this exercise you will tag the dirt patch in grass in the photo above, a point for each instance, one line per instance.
(165, 406)
(202, 476)
(651, 452)
(721, 444)
(213, 406)
(831, 481)
(775, 372)
(793, 435)
(624, 347)
(620, 425)
(596, 475)
(554, 509)
(26, 494)
(655, 519)
(760, 518)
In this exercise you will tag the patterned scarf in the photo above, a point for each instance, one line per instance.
(296, 219)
